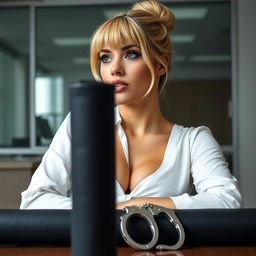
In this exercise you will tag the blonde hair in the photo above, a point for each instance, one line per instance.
(147, 25)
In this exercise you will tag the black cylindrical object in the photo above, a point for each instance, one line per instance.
(35, 227)
(93, 168)
(203, 227)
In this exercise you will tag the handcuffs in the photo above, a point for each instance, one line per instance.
(147, 212)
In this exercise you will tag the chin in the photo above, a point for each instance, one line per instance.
(128, 99)
(121, 103)
(121, 100)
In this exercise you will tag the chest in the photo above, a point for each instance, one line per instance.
(138, 158)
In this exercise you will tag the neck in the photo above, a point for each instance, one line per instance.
(143, 117)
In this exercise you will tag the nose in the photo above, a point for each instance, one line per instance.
(117, 68)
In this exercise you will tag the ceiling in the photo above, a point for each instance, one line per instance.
(193, 59)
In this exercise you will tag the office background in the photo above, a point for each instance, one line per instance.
(44, 46)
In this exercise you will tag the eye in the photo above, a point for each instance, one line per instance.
(132, 54)
(105, 58)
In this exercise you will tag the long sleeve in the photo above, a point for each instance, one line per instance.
(50, 186)
(214, 184)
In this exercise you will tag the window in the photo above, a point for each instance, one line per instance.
(48, 107)
(14, 73)
(199, 88)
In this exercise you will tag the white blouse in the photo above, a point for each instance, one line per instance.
(192, 158)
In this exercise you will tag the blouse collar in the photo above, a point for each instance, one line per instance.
(118, 118)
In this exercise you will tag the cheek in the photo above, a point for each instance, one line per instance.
(103, 73)
(143, 73)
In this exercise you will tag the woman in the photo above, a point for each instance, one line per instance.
(156, 161)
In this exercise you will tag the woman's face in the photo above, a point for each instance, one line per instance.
(125, 68)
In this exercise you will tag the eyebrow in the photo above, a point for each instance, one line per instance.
(122, 49)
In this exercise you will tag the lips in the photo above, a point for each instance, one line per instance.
(119, 85)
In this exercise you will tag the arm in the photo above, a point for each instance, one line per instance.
(214, 184)
(50, 185)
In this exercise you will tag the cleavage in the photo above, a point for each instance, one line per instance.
(145, 156)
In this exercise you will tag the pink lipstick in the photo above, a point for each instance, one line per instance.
(119, 85)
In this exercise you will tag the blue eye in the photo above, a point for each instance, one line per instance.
(132, 54)
(105, 58)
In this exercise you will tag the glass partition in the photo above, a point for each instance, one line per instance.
(199, 88)
(198, 91)
(14, 77)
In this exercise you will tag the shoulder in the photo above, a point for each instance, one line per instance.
(192, 133)
(195, 137)
(65, 125)
(200, 141)
(63, 134)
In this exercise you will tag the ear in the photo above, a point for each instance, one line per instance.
(160, 70)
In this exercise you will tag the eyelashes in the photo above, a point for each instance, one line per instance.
(132, 54)
(104, 58)
(129, 54)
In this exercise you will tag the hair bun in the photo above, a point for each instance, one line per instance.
(158, 10)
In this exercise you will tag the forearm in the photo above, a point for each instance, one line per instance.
(46, 200)
(162, 201)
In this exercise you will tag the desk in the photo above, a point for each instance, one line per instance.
(127, 251)
(15, 175)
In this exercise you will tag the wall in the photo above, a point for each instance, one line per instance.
(246, 97)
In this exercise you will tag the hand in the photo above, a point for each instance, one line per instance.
(121, 205)
(162, 201)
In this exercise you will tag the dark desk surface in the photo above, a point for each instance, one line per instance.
(127, 251)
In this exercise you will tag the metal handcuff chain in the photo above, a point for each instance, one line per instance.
(147, 212)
